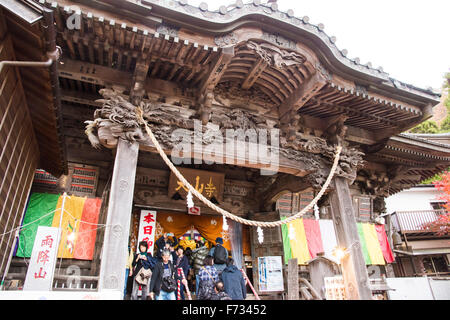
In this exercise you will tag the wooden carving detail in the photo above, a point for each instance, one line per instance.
(372, 182)
(228, 39)
(382, 183)
(336, 131)
(276, 57)
(350, 161)
(279, 40)
(230, 90)
(239, 119)
(115, 119)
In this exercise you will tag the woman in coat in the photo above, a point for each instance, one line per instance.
(182, 262)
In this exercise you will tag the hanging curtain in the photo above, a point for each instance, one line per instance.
(236, 242)
(313, 237)
(80, 218)
(373, 245)
(210, 227)
(384, 243)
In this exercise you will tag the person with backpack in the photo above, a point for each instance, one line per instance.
(142, 266)
(163, 282)
(208, 278)
(220, 255)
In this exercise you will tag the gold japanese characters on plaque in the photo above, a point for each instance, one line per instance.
(209, 184)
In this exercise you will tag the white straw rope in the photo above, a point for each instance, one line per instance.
(227, 214)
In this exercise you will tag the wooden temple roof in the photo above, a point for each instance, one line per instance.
(29, 43)
(287, 66)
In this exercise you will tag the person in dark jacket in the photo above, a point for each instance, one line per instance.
(162, 270)
(181, 261)
(234, 281)
(213, 253)
(219, 292)
(164, 243)
(143, 259)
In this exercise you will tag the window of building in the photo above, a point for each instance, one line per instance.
(438, 205)
(435, 264)
(363, 207)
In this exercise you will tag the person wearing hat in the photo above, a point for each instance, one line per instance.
(220, 255)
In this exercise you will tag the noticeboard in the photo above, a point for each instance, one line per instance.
(270, 271)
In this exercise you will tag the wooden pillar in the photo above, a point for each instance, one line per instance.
(115, 243)
(292, 281)
(354, 269)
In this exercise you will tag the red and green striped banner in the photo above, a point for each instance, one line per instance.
(78, 223)
(305, 238)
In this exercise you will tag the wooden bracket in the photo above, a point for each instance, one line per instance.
(138, 83)
(211, 79)
(302, 95)
(258, 67)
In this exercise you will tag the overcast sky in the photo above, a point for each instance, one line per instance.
(408, 38)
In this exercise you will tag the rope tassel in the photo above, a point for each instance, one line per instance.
(260, 235)
(225, 224)
(189, 201)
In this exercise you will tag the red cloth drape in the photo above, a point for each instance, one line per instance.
(384, 243)
(313, 237)
(85, 242)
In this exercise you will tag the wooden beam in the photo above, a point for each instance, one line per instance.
(115, 251)
(140, 75)
(81, 98)
(292, 283)
(354, 269)
(94, 73)
(302, 95)
(258, 67)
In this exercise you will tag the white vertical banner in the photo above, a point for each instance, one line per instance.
(328, 234)
(147, 229)
(42, 262)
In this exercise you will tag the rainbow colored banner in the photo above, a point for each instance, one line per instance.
(305, 238)
(78, 223)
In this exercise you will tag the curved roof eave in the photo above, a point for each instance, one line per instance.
(229, 18)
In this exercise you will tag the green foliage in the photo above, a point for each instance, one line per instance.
(446, 87)
(430, 180)
(445, 125)
(431, 126)
(428, 126)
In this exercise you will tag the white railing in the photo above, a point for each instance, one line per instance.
(414, 221)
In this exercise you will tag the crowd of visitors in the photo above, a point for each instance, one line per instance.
(209, 273)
